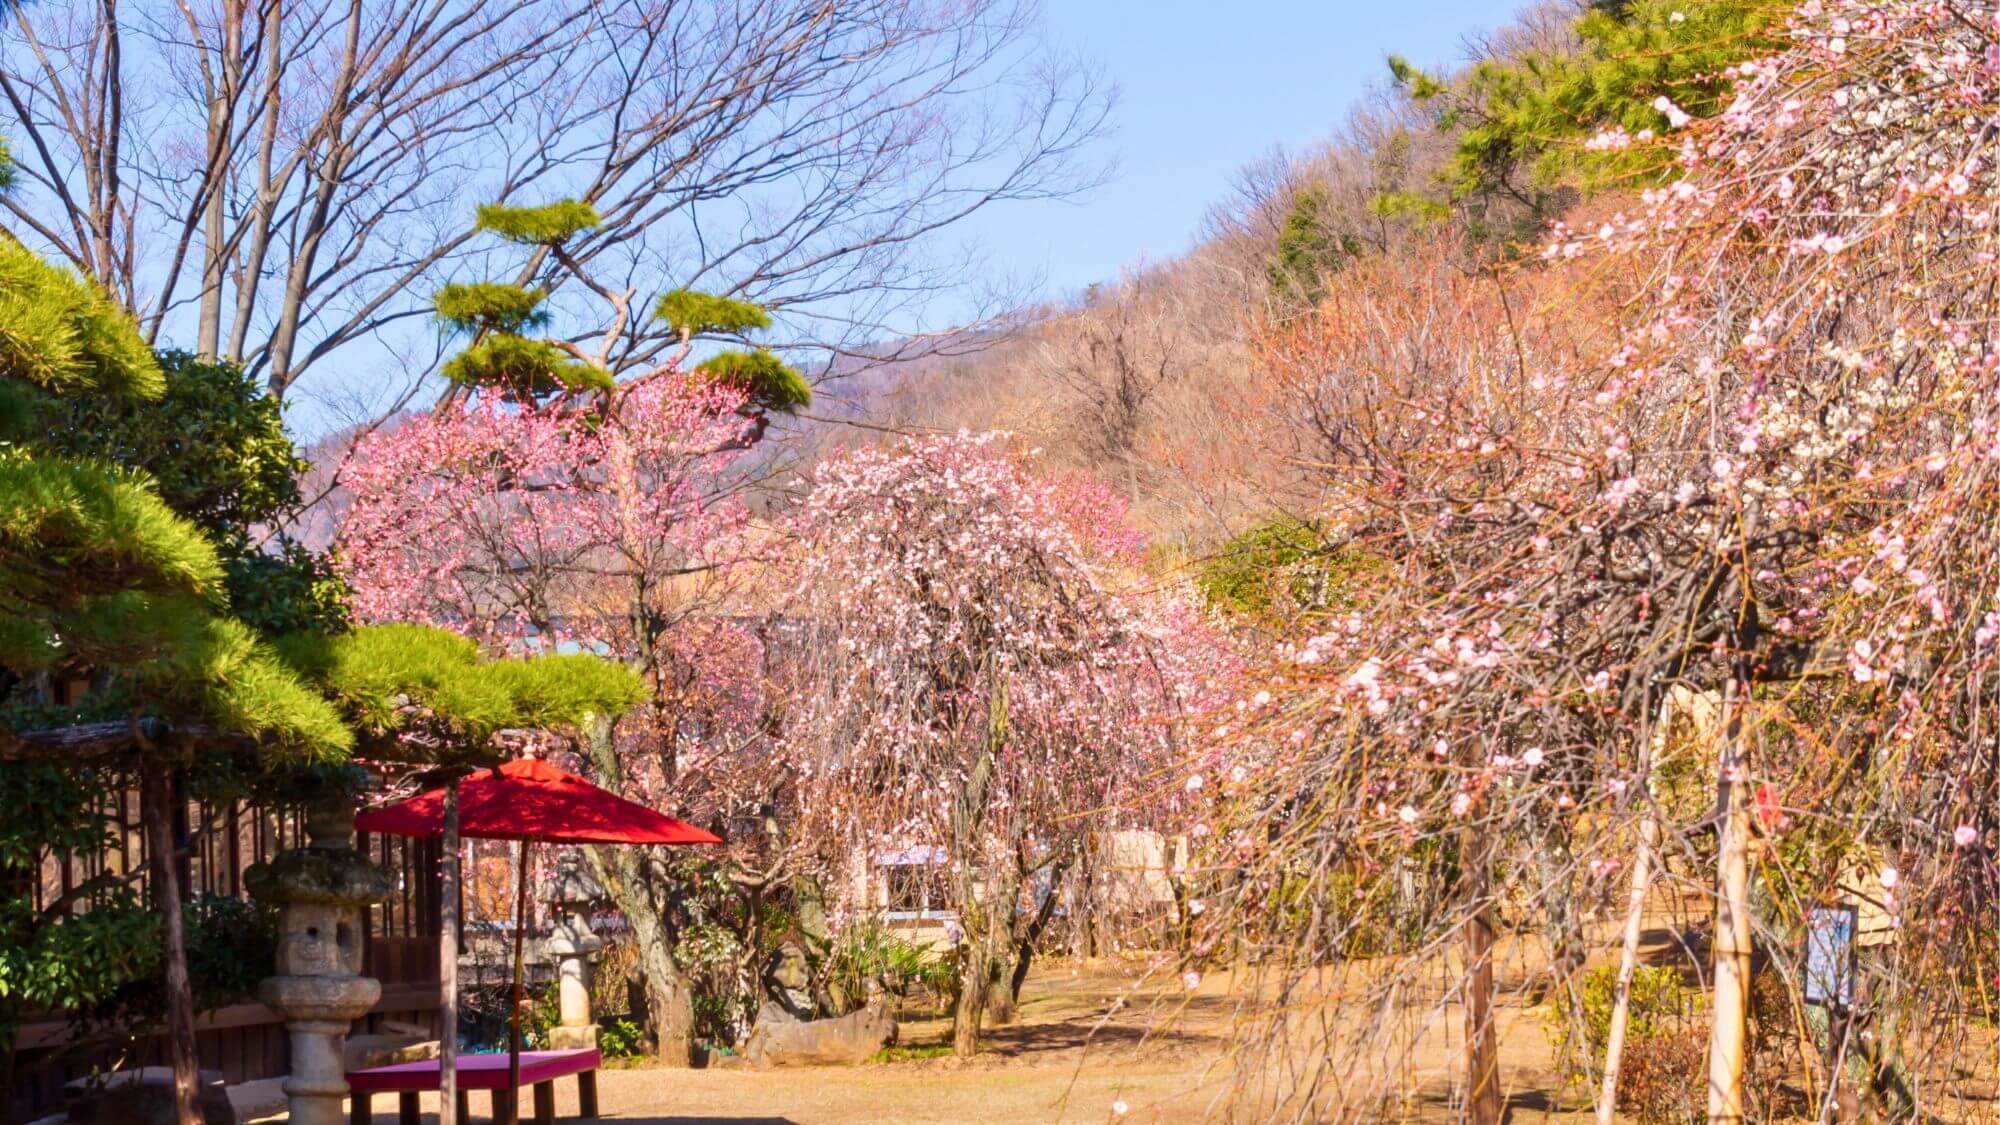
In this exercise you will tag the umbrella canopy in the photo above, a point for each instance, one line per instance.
(533, 800)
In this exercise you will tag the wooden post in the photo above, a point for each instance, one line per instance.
(156, 812)
(1482, 1045)
(1651, 748)
(514, 1013)
(1727, 1037)
(448, 962)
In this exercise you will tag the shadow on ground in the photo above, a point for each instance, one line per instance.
(622, 1120)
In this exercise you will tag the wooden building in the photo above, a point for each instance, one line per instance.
(244, 1040)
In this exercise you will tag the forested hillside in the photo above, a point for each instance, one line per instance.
(1404, 243)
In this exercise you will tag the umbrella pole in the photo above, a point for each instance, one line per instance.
(514, 1030)
(448, 963)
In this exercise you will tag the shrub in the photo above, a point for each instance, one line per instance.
(621, 1038)
(868, 954)
(1660, 1075)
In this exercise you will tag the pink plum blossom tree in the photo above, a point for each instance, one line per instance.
(991, 675)
(562, 495)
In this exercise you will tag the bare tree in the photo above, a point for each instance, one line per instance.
(291, 184)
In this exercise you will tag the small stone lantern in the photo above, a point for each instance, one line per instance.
(320, 891)
(572, 899)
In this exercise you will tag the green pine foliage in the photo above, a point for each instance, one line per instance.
(71, 529)
(522, 368)
(62, 334)
(1521, 120)
(98, 571)
(1310, 249)
(490, 306)
(401, 678)
(502, 360)
(244, 687)
(545, 225)
(772, 383)
(564, 690)
(693, 313)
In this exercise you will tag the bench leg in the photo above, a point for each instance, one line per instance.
(464, 1100)
(586, 1093)
(503, 1108)
(406, 1109)
(545, 1103)
(358, 1110)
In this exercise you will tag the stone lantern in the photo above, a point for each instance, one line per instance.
(572, 899)
(320, 892)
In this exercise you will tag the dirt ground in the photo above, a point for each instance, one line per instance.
(1086, 1040)
(1090, 1038)
(1067, 1058)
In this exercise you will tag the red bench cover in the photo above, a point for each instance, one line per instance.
(475, 1072)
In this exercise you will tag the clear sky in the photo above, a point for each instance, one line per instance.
(1205, 87)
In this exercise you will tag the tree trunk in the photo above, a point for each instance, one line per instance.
(1555, 871)
(1628, 963)
(1030, 935)
(1086, 934)
(156, 811)
(448, 963)
(669, 997)
(1727, 1046)
(1652, 749)
(978, 916)
(1482, 1048)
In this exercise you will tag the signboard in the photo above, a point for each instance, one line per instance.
(1830, 956)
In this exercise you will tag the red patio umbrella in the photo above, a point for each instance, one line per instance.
(532, 800)
(526, 800)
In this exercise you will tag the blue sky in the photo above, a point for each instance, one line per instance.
(1205, 87)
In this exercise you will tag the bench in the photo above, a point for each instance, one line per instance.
(539, 1069)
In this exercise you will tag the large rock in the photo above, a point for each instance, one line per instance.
(361, 1052)
(780, 1040)
(144, 1096)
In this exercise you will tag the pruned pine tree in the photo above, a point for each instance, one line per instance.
(568, 485)
(100, 578)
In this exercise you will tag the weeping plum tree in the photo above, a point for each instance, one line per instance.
(1770, 490)
(569, 493)
(986, 676)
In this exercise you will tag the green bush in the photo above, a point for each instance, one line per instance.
(231, 945)
(620, 1038)
(868, 953)
(1660, 1071)
(1658, 1000)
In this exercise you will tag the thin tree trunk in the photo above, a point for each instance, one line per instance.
(1025, 942)
(1482, 1048)
(979, 919)
(1727, 1037)
(156, 810)
(1628, 960)
(1652, 750)
(970, 1009)
(448, 964)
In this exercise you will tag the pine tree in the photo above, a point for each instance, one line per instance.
(101, 578)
